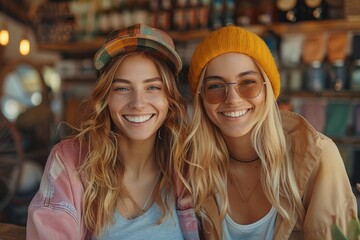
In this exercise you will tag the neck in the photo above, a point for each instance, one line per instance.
(138, 159)
(240, 148)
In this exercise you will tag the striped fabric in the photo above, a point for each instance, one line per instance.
(138, 37)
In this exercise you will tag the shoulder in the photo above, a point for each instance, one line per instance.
(310, 150)
(60, 181)
(67, 146)
(301, 134)
(303, 139)
(58, 202)
(63, 162)
(67, 151)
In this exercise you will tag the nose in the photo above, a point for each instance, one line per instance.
(138, 99)
(232, 94)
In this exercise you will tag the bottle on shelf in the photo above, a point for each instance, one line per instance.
(191, 14)
(335, 9)
(315, 10)
(355, 76)
(337, 45)
(355, 66)
(290, 61)
(315, 76)
(338, 75)
(203, 11)
(289, 10)
(229, 10)
(245, 12)
(164, 15)
(179, 18)
(314, 51)
(266, 13)
(216, 17)
(140, 13)
(154, 8)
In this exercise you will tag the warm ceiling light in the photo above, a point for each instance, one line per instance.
(4, 36)
(24, 46)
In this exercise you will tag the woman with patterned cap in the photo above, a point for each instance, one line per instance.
(257, 172)
(119, 177)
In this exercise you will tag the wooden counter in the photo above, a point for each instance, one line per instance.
(12, 232)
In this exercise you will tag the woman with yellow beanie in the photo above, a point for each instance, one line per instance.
(257, 172)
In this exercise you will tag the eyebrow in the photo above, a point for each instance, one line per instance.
(251, 72)
(121, 80)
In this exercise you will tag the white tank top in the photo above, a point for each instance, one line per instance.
(145, 226)
(262, 229)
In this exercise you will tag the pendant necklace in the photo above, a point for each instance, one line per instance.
(245, 200)
(144, 208)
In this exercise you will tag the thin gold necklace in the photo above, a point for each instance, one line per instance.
(144, 208)
(245, 200)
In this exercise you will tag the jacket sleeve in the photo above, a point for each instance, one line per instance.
(55, 211)
(186, 213)
(328, 196)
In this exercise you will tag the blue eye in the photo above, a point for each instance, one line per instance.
(247, 82)
(122, 90)
(214, 85)
(153, 88)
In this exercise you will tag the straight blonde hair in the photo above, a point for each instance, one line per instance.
(208, 158)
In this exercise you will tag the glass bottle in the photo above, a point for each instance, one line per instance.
(179, 18)
(289, 10)
(245, 13)
(355, 76)
(338, 76)
(315, 76)
(203, 14)
(266, 13)
(217, 9)
(229, 12)
(315, 9)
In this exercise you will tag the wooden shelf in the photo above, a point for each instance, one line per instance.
(92, 45)
(189, 35)
(347, 140)
(309, 26)
(323, 94)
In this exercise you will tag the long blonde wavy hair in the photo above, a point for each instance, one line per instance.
(102, 168)
(208, 158)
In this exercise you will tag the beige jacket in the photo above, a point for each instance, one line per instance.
(323, 183)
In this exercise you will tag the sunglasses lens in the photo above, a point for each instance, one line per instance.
(214, 91)
(250, 89)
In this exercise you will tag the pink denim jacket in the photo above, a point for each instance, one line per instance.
(56, 210)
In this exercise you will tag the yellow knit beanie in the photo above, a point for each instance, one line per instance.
(233, 39)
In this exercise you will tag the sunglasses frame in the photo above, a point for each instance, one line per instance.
(227, 84)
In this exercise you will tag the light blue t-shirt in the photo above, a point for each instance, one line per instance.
(145, 226)
(262, 229)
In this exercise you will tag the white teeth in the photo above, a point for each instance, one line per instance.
(138, 119)
(235, 114)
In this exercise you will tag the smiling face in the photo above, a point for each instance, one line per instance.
(234, 116)
(137, 102)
